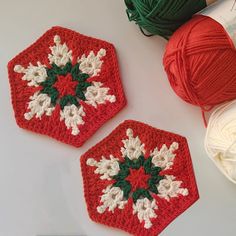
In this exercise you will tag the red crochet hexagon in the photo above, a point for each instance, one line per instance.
(52, 125)
(124, 218)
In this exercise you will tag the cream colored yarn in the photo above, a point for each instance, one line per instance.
(220, 140)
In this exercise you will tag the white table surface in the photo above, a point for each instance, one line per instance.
(41, 188)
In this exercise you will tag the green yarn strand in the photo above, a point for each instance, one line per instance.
(62, 70)
(141, 193)
(125, 186)
(52, 93)
(68, 99)
(162, 17)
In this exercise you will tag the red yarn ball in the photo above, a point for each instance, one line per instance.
(200, 61)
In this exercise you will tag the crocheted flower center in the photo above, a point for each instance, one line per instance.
(65, 85)
(138, 179)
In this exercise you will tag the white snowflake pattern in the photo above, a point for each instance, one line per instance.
(164, 157)
(113, 196)
(60, 53)
(169, 188)
(73, 117)
(33, 74)
(92, 64)
(96, 94)
(145, 210)
(133, 147)
(106, 168)
(40, 103)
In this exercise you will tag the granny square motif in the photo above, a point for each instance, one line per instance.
(66, 85)
(138, 179)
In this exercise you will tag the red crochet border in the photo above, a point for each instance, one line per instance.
(123, 219)
(20, 92)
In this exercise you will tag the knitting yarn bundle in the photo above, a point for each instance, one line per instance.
(220, 140)
(163, 17)
(200, 58)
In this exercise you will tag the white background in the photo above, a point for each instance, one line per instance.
(41, 188)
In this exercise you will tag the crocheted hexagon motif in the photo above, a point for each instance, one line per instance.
(138, 179)
(65, 85)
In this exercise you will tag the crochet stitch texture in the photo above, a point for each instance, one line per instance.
(138, 179)
(66, 85)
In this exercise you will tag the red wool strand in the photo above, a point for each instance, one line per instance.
(200, 61)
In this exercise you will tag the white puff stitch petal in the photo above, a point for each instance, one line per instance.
(96, 95)
(60, 54)
(170, 188)
(111, 199)
(34, 74)
(164, 157)
(107, 168)
(73, 117)
(39, 105)
(133, 147)
(145, 210)
(92, 63)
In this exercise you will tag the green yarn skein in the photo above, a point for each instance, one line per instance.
(162, 17)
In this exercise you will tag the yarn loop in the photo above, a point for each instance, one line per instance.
(200, 61)
(220, 140)
(162, 17)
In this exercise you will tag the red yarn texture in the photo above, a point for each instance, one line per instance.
(64, 86)
(200, 61)
(124, 218)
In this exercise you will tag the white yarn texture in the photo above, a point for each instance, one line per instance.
(220, 140)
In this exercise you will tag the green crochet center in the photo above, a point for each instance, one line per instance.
(76, 74)
(124, 172)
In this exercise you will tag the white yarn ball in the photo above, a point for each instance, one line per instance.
(220, 140)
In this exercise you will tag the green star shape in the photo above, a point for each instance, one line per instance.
(77, 75)
(124, 172)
